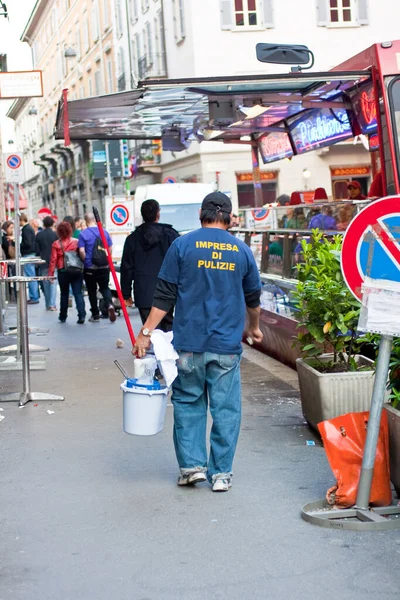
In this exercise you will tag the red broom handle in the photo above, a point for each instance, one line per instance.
(114, 274)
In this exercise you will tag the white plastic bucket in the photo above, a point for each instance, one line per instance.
(144, 410)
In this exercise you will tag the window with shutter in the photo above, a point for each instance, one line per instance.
(339, 13)
(363, 12)
(227, 14)
(105, 14)
(246, 14)
(268, 13)
(179, 20)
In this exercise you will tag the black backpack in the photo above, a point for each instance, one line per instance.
(99, 254)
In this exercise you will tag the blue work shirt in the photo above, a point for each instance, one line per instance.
(212, 270)
(87, 239)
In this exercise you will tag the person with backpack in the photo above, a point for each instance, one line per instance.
(96, 270)
(64, 257)
(143, 255)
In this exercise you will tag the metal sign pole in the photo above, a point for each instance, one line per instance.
(17, 235)
(108, 169)
(374, 422)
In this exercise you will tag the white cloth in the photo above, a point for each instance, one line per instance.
(166, 355)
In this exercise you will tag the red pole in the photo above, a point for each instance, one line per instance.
(114, 274)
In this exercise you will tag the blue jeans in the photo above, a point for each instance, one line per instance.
(33, 286)
(207, 378)
(75, 281)
(49, 289)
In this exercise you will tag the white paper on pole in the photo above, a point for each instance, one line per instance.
(380, 312)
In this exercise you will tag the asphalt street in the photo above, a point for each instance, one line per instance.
(88, 512)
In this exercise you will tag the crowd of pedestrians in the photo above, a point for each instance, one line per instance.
(68, 251)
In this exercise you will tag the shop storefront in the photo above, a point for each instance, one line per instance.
(341, 176)
(245, 187)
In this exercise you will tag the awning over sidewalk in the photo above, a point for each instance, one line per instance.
(223, 108)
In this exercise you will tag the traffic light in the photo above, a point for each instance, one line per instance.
(125, 159)
(3, 63)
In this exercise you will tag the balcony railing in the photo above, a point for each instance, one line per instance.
(121, 83)
(152, 65)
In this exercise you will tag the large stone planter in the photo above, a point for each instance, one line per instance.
(394, 445)
(328, 395)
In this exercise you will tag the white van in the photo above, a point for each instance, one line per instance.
(179, 203)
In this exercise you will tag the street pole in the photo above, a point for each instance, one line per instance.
(374, 422)
(258, 195)
(2, 182)
(108, 169)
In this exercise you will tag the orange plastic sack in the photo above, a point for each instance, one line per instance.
(344, 440)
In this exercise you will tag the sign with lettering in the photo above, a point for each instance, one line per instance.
(264, 176)
(365, 110)
(275, 146)
(349, 171)
(319, 128)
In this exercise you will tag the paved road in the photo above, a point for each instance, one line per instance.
(90, 513)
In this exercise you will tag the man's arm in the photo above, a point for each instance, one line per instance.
(252, 300)
(81, 247)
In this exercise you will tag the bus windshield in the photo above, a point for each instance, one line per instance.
(182, 217)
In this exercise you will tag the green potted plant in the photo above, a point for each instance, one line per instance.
(393, 413)
(334, 378)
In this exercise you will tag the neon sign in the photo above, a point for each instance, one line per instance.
(373, 142)
(365, 110)
(319, 128)
(275, 146)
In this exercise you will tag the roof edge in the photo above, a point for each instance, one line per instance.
(16, 108)
(33, 20)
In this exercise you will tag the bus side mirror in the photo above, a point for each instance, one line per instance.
(285, 54)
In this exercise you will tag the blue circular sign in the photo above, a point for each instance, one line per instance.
(260, 214)
(119, 214)
(14, 161)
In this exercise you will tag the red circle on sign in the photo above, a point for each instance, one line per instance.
(13, 161)
(116, 218)
(366, 219)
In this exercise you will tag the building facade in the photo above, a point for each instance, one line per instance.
(218, 37)
(95, 47)
(72, 43)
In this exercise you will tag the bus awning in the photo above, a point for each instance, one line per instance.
(214, 108)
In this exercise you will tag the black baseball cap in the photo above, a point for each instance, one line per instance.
(217, 201)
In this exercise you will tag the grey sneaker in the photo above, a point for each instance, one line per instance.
(221, 482)
(191, 477)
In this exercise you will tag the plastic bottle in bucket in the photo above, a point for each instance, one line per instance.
(145, 400)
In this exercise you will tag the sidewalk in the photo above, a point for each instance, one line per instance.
(90, 513)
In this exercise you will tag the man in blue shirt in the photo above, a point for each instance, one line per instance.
(95, 275)
(211, 278)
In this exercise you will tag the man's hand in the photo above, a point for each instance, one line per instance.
(142, 344)
(254, 334)
(128, 302)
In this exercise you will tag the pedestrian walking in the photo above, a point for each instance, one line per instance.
(96, 272)
(143, 254)
(28, 250)
(8, 240)
(211, 278)
(77, 228)
(44, 241)
(8, 247)
(66, 277)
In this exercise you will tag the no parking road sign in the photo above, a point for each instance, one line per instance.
(371, 245)
(119, 214)
(13, 168)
